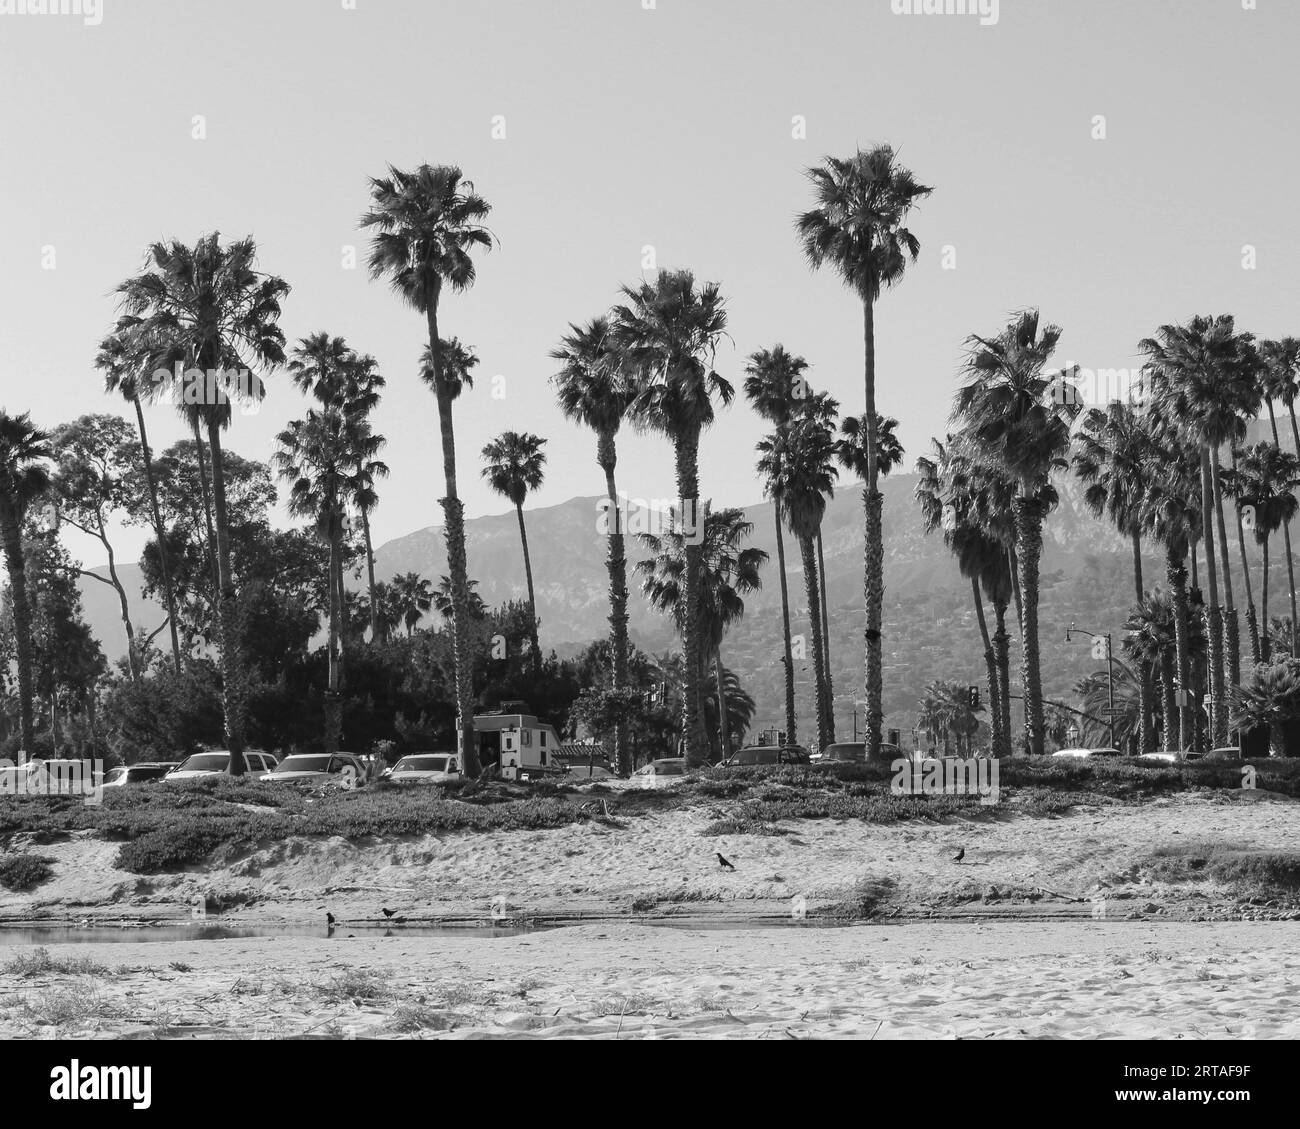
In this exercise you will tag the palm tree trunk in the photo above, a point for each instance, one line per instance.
(688, 492)
(1029, 531)
(375, 633)
(1213, 620)
(724, 730)
(1286, 540)
(234, 675)
(1263, 594)
(607, 458)
(532, 600)
(874, 551)
(333, 704)
(990, 661)
(11, 531)
(1013, 565)
(1251, 621)
(826, 638)
(160, 532)
(1176, 573)
(1146, 675)
(1002, 648)
(457, 562)
(809, 557)
(791, 733)
(1169, 704)
(1231, 627)
(206, 490)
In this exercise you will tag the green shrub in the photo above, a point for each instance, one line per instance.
(24, 872)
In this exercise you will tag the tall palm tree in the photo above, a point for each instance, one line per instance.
(1204, 377)
(857, 227)
(775, 385)
(120, 360)
(1264, 478)
(316, 457)
(443, 603)
(1113, 458)
(516, 466)
(24, 477)
(208, 306)
(1020, 414)
(427, 223)
(592, 391)
(666, 333)
(798, 467)
(1279, 381)
(946, 493)
(1171, 514)
(729, 573)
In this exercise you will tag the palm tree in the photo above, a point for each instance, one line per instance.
(316, 456)
(1204, 376)
(412, 597)
(1113, 457)
(592, 391)
(1263, 480)
(824, 409)
(24, 477)
(798, 468)
(427, 223)
(1171, 514)
(946, 495)
(1150, 640)
(209, 307)
(857, 228)
(120, 360)
(1281, 372)
(774, 385)
(666, 334)
(445, 606)
(1272, 698)
(737, 702)
(729, 573)
(1020, 414)
(515, 466)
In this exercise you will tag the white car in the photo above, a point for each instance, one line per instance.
(424, 768)
(661, 773)
(217, 763)
(318, 768)
(1086, 753)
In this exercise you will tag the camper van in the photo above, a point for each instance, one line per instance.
(523, 747)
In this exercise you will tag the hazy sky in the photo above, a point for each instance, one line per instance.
(628, 127)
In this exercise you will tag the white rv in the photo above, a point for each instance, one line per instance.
(522, 746)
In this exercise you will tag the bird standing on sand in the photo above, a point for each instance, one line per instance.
(722, 862)
(961, 854)
(387, 912)
(329, 920)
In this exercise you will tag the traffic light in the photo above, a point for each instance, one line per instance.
(973, 697)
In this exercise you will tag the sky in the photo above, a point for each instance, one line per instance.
(625, 128)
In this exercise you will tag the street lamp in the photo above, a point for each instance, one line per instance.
(1110, 674)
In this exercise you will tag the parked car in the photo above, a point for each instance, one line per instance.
(424, 768)
(855, 752)
(767, 754)
(146, 772)
(48, 777)
(586, 772)
(318, 768)
(216, 762)
(661, 773)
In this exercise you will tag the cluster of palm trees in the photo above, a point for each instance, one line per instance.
(947, 717)
(1153, 466)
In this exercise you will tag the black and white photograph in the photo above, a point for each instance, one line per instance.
(759, 521)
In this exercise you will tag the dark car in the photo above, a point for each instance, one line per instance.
(767, 754)
(855, 752)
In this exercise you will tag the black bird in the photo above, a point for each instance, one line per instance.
(388, 912)
(961, 854)
(329, 919)
(722, 862)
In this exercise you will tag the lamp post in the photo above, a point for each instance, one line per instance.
(1110, 674)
